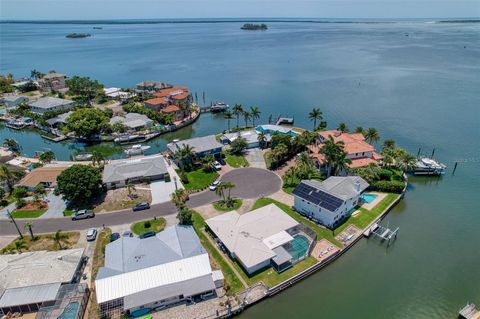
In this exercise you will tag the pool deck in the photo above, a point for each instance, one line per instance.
(324, 249)
(371, 205)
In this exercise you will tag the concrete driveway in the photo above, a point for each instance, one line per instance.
(254, 156)
(56, 206)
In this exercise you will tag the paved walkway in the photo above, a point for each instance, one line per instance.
(283, 197)
(3, 211)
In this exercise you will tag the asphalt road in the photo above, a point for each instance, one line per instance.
(249, 182)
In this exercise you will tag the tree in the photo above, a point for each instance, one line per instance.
(28, 226)
(80, 183)
(315, 115)
(228, 186)
(130, 188)
(207, 162)
(238, 145)
(84, 87)
(98, 159)
(406, 161)
(9, 177)
(341, 162)
(179, 197)
(12, 145)
(372, 135)
(342, 127)
(388, 144)
(334, 154)
(360, 130)
(185, 155)
(19, 245)
(27, 87)
(119, 127)
(34, 74)
(284, 139)
(185, 216)
(6, 84)
(47, 157)
(246, 116)
(40, 189)
(88, 122)
(262, 139)
(59, 238)
(228, 116)
(255, 114)
(238, 110)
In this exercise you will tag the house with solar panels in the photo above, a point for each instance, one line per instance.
(330, 201)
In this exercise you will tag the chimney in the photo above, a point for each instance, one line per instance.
(356, 185)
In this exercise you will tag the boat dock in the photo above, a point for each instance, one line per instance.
(384, 233)
(470, 311)
(55, 139)
(281, 120)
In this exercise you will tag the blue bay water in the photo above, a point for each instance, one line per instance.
(416, 82)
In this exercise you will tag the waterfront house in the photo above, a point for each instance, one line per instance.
(47, 104)
(175, 94)
(152, 86)
(119, 173)
(133, 121)
(52, 82)
(142, 275)
(174, 110)
(264, 237)
(251, 136)
(156, 104)
(12, 101)
(118, 94)
(331, 201)
(46, 175)
(202, 146)
(276, 129)
(31, 280)
(59, 120)
(358, 151)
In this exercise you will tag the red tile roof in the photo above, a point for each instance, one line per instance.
(175, 93)
(170, 109)
(157, 101)
(360, 162)
(353, 142)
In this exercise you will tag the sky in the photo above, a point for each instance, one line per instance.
(162, 9)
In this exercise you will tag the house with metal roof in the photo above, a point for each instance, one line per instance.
(119, 173)
(29, 279)
(133, 121)
(147, 274)
(264, 237)
(12, 101)
(251, 136)
(47, 104)
(202, 146)
(330, 201)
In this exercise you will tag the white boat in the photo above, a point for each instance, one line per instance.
(428, 166)
(126, 138)
(219, 107)
(136, 150)
(83, 157)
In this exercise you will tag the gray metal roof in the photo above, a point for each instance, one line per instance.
(49, 102)
(139, 167)
(342, 187)
(62, 118)
(29, 295)
(132, 120)
(14, 98)
(199, 144)
(282, 255)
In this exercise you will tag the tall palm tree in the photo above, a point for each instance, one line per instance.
(185, 155)
(372, 135)
(247, 116)
(207, 162)
(262, 139)
(255, 113)
(179, 197)
(98, 159)
(341, 163)
(130, 188)
(228, 186)
(388, 143)
(19, 245)
(332, 151)
(406, 161)
(342, 127)
(238, 110)
(28, 226)
(315, 115)
(9, 177)
(228, 116)
(360, 129)
(59, 237)
(220, 191)
(12, 145)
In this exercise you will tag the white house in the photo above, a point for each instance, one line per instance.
(47, 104)
(330, 201)
(12, 101)
(251, 136)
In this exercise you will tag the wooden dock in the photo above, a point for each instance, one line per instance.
(469, 311)
(55, 139)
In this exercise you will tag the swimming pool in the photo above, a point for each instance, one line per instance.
(298, 247)
(70, 311)
(368, 198)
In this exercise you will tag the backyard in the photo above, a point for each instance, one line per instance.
(141, 227)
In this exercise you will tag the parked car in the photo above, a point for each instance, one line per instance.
(83, 214)
(217, 165)
(141, 206)
(221, 160)
(147, 234)
(127, 233)
(114, 236)
(213, 186)
(91, 234)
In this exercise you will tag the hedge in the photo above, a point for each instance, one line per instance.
(388, 186)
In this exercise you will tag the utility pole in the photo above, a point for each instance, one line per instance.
(15, 223)
(175, 181)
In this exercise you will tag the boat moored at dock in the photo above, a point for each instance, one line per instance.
(428, 166)
(136, 150)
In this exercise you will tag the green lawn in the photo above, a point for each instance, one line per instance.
(320, 231)
(236, 205)
(236, 161)
(199, 179)
(232, 283)
(28, 213)
(68, 212)
(141, 227)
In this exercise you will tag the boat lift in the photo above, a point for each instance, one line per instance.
(384, 233)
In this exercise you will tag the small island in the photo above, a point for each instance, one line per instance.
(251, 26)
(78, 35)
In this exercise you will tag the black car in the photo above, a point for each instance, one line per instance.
(141, 206)
(147, 234)
(221, 160)
(114, 236)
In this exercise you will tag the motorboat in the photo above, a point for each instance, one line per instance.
(136, 149)
(428, 166)
(219, 107)
(83, 157)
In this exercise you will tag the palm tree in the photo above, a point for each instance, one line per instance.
(8, 176)
(179, 197)
(220, 191)
(341, 163)
(12, 145)
(98, 159)
(185, 155)
(130, 188)
(332, 151)
(406, 161)
(388, 143)
(47, 157)
(246, 116)
(262, 139)
(228, 116)
(228, 186)
(207, 162)
(342, 127)
(360, 129)
(255, 113)
(59, 237)
(19, 245)
(315, 115)
(237, 110)
(371, 135)
(28, 226)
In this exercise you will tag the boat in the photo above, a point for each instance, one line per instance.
(136, 150)
(126, 138)
(469, 311)
(83, 157)
(219, 107)
(428, 166)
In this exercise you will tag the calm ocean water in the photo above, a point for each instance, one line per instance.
(415, 82)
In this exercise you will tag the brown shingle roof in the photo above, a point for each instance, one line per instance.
(42, 175)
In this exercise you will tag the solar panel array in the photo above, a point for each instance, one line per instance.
(317, 197)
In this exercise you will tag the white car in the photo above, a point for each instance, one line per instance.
(213, 186)
(217, 165)
(91, 234)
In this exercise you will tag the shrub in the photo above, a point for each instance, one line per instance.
(20, 203)
(147, 224)
(3, 202)
(184, 177)
(384, 174)
(20, 192)
(388, 186)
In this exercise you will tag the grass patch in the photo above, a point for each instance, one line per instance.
(68, 212)
(141, 227)
(236, 161)
(232, 283)
(28, 213)
(43, 242)
(98, 261)
(221, 207)
(320, 231)
(199, 179)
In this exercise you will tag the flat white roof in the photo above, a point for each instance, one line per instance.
(277, 239)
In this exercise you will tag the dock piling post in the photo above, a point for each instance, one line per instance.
(454, 168)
